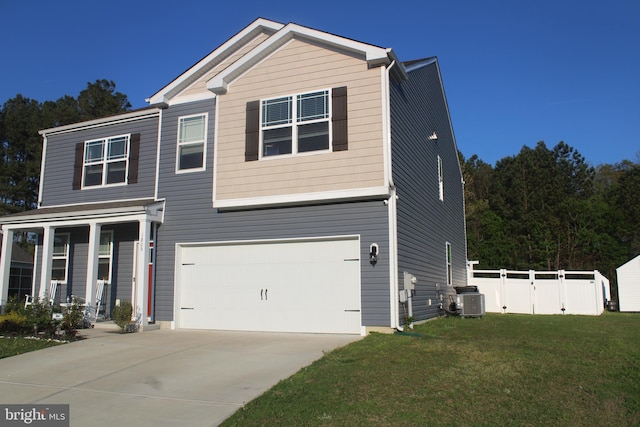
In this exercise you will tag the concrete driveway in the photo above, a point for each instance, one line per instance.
(159, 378)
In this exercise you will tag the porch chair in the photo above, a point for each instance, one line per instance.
(49, 296)
(91, 313)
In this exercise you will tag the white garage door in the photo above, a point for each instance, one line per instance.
(288, 286)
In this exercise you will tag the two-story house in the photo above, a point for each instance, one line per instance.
(285, 182)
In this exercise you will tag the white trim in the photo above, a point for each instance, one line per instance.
(374, 55)
(157, 178)
(223, 51)
(141, 199)
(268, 241)
(394, 287)
(351, 194)
(204, 144)
(386, 124)
(42, 163)
(93, 251)
(393, 199)
(48, 242)
(201, 96)
(215, 152)
(105, 121)
(36, 261)
(154, 212)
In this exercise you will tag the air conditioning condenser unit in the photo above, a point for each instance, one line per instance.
(470, 305)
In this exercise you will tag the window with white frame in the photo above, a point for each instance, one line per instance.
(295, 124)
(449, 268)
(105, 256)
(440, 179)
(106, 161)
(60, 258)
(192, 136)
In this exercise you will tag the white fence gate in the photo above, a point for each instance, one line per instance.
(542, 292)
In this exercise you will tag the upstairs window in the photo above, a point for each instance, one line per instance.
(106, 161)
(449, 265)
(295, 124)
(192, 135)
(440, 179)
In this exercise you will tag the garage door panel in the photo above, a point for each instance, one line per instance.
(310, 286)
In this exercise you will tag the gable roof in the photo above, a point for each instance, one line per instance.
(278, 35)
(200, 68)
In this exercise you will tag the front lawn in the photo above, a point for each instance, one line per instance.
(12, 346)
(499, 370)
(19, 325)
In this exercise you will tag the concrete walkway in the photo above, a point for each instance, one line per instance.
(159, 378)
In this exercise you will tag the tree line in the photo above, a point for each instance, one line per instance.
(544, 208)
(549, 209)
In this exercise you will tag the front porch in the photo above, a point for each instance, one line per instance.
(82, 246)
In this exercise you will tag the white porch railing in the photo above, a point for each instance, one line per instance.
(542, 292)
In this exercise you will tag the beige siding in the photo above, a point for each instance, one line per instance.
(298, 67)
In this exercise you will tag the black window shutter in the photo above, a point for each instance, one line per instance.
(252, 131)
(134, 157)
(339, 118)
(77, 166)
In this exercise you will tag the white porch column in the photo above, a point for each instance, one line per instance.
(92, 262)
(142, 283)
(5, 264)
(47, 260)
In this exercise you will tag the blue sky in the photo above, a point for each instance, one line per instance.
(515, 72)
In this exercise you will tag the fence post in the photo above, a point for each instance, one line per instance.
(562, 291)
(532, 292)
(503, 289)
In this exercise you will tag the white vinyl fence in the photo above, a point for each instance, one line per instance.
(542, 292)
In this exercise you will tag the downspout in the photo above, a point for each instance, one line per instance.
(392, 205)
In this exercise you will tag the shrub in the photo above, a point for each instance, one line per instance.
(14, 305)
(72, 321)
(37, 319)
(15, 323)
(39, 315)
(122, 315)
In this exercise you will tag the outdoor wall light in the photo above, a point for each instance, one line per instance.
(433, 136)
(374, 251)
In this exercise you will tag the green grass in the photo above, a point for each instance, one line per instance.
(12, 346)
(500, 370)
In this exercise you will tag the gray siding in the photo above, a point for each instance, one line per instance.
(60, 156)
(425, 223)
(189, 217)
